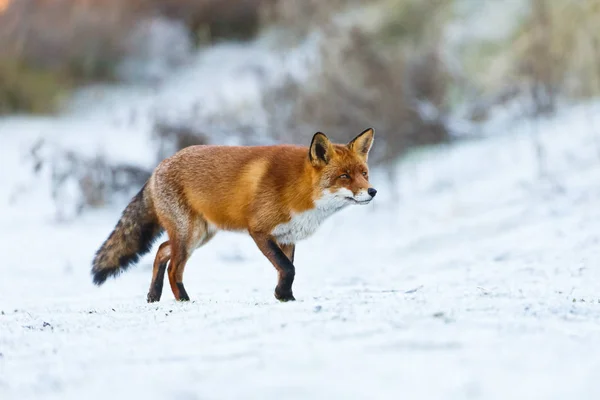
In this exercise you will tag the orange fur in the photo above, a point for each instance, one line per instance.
(278, 194)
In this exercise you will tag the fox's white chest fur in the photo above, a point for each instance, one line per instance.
(304, 224)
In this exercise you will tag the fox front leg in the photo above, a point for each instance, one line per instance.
(288, 250)
(284, 266)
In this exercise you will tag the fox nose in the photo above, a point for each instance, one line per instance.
(372, 192)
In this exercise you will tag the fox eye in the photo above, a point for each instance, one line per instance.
(344, 176)
(365, 173)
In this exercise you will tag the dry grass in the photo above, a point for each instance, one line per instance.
(557, 50)
(45, 46)
(553, 53)
(84, 40)
(80, 39)
(26, 88)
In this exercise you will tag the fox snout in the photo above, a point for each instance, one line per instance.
(365, 198)
(361, 197)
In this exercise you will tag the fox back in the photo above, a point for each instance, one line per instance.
(277, 189)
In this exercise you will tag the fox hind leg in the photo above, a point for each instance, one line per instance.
(175, 271)
(163, 255)
(200, 233)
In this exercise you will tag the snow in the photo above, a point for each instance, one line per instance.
(480, 283)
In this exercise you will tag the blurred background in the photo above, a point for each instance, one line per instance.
(474, 273)
(111, 87)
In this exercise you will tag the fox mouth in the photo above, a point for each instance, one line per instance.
(352, 199)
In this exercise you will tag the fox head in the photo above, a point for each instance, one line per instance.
(342, 170)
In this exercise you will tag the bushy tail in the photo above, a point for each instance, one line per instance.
(132, 237)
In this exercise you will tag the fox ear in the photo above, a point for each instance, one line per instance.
(320, 150)
(362, 143)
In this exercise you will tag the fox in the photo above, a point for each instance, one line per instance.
(278, 194)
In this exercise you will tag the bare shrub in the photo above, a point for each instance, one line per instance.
(536, 61)
(556, 54)
(211, 20)
(174, 137)
(78, 182)
(360, 85)
(299, 17)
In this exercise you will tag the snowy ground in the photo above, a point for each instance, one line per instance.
(482, 283)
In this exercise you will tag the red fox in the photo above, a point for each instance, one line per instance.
(278, 194)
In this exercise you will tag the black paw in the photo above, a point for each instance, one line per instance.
(153, 297)
(284, 295)
(183, 296)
